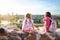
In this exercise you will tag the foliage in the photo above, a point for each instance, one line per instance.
(58, 26)
(14, 19)
(19, 26)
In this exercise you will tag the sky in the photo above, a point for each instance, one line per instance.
(35, 7)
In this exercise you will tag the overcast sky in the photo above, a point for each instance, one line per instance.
(22, 7)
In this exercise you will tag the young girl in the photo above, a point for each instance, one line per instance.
(47, 23)
(28, 25)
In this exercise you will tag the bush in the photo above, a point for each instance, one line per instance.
(19, 26)
(58, 26)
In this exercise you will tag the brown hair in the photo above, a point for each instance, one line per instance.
(28, 15)
(48, 14)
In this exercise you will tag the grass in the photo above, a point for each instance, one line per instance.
(38, 25)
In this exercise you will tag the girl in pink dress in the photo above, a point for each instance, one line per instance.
(28, 25)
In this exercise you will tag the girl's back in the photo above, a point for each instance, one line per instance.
(27, 24)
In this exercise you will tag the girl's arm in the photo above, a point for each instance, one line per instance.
(45, 23)
(33, 25)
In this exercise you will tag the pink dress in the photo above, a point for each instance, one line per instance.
(27, 25)
(48, 23)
